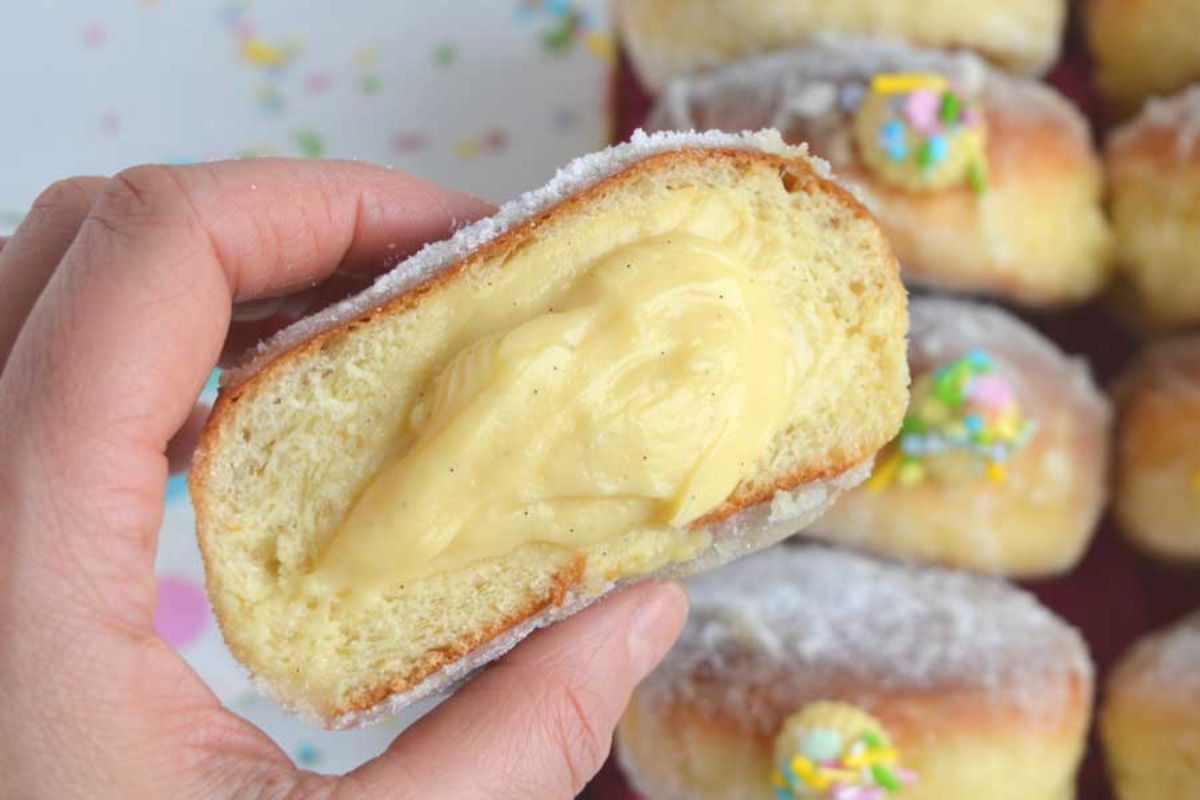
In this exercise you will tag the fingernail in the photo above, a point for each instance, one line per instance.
(656, 625)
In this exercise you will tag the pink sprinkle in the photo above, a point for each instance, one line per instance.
(906, 776)
(317, 83)
(990, 391)
(921, 108)
(94, 35)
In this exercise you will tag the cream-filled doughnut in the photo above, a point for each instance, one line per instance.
(670, 38)
(1158, 450)
(1154, 185)
(1150, 723)
(1142, 48)
(972, 688)
(677, 351)
(985, 183)
(1002, 462)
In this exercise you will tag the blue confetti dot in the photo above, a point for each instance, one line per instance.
(939, 148)
(892, 140)
(307, 754)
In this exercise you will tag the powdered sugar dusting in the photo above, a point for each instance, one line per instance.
(1174, 656)
(784, 626)
(572, 179)
(1179, 113)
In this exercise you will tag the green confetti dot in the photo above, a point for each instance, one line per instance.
(559, 39)
(310, 143)
(370, 84)
(445, 54)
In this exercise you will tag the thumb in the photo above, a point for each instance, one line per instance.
(539, 722)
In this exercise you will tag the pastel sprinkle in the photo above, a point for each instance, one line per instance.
(965, 407)
(891, 83)
(921, 109)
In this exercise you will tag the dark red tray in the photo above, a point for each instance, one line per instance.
(1115, 595)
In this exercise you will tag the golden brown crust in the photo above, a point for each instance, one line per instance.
(799, 176)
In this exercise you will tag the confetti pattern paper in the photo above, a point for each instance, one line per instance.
(485, 95)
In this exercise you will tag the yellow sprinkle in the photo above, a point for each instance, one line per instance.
(911, 473)
(885, 473)
(996, 473)
(778, 781)
(1196, 481)
(367, 55)
(907, 82)
(256, 51)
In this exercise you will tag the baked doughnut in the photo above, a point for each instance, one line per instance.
(981, 692)
(669, 38)
(985, 183)
(1158, 453)
(1001, 465)
(1154, 184)
(1150, 723)
(1142, 48)
(677, 351)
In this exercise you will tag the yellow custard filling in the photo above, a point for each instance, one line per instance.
(638, 400)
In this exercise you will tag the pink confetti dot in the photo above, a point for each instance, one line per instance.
(182, 613)
(94, 35)
(408, 142)
(110, 123)
(922, 108)
(317, 82)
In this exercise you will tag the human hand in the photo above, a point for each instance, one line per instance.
(117, 298)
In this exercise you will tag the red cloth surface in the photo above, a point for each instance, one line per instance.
(1115, 595)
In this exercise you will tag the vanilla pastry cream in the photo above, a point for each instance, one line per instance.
(637, 400)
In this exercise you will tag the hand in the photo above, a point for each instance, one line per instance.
(116, 299)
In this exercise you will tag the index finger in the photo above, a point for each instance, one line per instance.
(133, 321)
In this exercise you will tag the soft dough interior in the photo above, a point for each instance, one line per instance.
(297, 450)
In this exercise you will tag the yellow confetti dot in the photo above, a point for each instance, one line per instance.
(907, 82)
(367, 55)
(467, 148)
(601, 46)
(910, 473)
(996, 473)
(256, 51)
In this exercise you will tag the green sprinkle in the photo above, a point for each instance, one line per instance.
(310, 143)
(977, 177)
(951, 107)
(925, 157)
(873, 740)
(884, 777)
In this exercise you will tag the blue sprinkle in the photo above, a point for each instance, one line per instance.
(892, 140)
(911, 445)
(974, 423)
(979, 358)
(939, 148)
(783, 794)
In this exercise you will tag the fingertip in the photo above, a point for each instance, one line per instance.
(656, 624)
